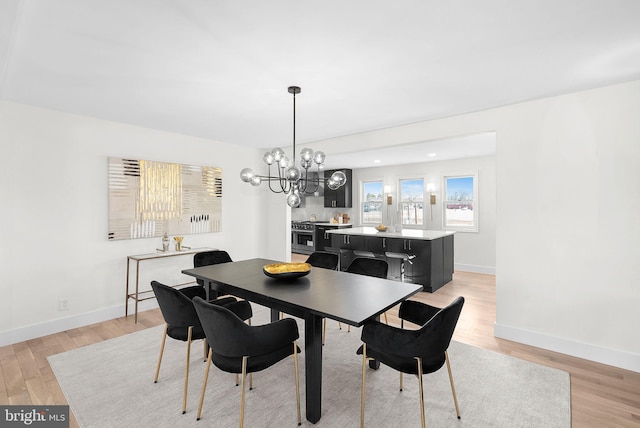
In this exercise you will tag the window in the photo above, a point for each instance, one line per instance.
(460, 205)
(412, 201)
(371, 202)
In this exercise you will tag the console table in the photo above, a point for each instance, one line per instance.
(138, 295)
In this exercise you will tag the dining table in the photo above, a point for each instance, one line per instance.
(322, 293)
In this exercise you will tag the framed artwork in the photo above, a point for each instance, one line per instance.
(149, 198)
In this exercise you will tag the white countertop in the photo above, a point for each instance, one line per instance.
(331, 224)
(425, 235)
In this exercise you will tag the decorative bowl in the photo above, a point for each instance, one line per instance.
(286, 270)
(381, 228)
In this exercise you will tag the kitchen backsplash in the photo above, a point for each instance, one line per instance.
(316, 206)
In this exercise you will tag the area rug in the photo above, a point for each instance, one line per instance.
(110, 384)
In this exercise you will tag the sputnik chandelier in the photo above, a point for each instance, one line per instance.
(291, 180)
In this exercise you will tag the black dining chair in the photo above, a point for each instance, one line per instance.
(236, 347)
(370, 267)
(417, 351)
(324, 260)
(182, 322)
(207, 258)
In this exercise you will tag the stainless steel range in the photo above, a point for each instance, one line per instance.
(302, 234)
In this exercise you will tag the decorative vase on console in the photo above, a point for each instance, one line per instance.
(165, 242)
(178, 240)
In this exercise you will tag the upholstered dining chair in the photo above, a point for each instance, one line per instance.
(236, 347)
(324, 260)
(182, 322)
(413, 351)
(370, 267)
(206, 258)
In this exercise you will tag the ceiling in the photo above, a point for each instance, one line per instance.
(220, 69)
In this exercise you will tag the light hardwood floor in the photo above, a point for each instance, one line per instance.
(601, 396)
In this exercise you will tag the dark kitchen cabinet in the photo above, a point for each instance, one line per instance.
(323, 239)
(340, 198)
(345, 244)
(418, 270)
(431, 260)
(432, 265)
(377, 245)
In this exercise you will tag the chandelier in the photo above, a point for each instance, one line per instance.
(292, 180)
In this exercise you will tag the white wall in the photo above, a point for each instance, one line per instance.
(53, 168)
(568, 174)
(474, 251)
(567, 171)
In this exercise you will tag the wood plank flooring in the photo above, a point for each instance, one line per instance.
(601, 396)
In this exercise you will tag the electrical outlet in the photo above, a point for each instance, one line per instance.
(63, 304)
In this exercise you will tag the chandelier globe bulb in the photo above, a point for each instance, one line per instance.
(293, 199)
(292, 173)
(339, 177)
(284, 162)
(318, 157)
(277, 153)
(246, 175)
(306, 154)
(268, 158)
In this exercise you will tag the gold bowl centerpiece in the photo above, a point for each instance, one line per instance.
(381, 228)
(286, 270)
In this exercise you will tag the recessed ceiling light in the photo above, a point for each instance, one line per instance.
(376, 161)
(431, 155)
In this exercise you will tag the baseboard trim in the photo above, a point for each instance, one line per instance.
(473, 268)
(63, 324)
(612, 357)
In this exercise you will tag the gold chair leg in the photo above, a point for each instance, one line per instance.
(237, 380)
(204, 384)
(164, 339)
(364, 368)
(339, 325)
(348, 328)
(419, 360)
(324, 330)
(295, 364)
(401, 326)
(244, 376)
(250, 381)
(186, 374)
(453, 388)
(386, 321)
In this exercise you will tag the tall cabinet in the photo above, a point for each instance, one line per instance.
(340, 198)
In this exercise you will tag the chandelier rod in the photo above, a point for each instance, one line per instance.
(294, 90)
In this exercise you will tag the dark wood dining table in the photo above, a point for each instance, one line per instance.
(323, 293)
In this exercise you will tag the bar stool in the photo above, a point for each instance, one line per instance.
(404, 257)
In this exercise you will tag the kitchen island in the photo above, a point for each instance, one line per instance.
(429, 253)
